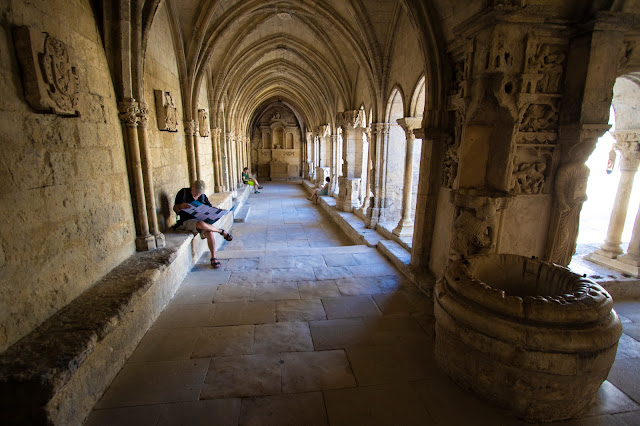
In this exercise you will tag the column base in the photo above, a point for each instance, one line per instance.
(218, 188)
(145, 242)
(609, 251)
(614, 264)
(404, 228)
(160, 242)
(629, 259)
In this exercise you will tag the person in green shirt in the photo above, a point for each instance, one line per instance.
(248, 180)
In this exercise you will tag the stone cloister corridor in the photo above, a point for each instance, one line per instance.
(300, 327)
(438, 279)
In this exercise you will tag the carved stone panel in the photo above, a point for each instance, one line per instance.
(49, 72)
(166, 111)
(203, 122)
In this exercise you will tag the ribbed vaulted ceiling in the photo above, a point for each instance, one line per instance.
(309, 54)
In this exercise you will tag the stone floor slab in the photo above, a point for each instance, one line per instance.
(166, 345)
(237, 292)
(242, 264)
(219, 412)
(339, 333)
(358, 286)
(243, 375)
(376, 365)
(284, 410)
(373, 270)
(332, 272)
(144, 415)
(239, 313)
(155, 382)
(291, 336)
(300, 310)
(312, 371)
(252, 276)
(376, 405)
(350, 307)
(181, 316)
(623, 375)
(393, 303)
(224, 341)
(293, 274)
(191, 294)
(309, 261)
(628, 347)
(339, 260)
(318, 289)
(285, 290)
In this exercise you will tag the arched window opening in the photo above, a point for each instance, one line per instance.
(394, 159)
(607, 234)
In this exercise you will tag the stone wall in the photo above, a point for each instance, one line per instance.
(168, 149)
(65, 198)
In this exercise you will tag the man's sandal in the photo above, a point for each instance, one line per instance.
(227, 236)
(215, 263)
(259, 187)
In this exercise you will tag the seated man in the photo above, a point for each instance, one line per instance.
(317, 192)
(188, 223)
(248, 180)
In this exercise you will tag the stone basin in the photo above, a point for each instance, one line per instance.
(531, 336)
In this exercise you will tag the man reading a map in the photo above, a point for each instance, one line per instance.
(187, 222)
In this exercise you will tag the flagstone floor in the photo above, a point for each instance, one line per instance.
(299, 327)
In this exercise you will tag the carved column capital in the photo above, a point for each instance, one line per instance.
(382, 128)
(581, 139)
(128, 112)
(630, 153)
(351, 119)
(409, 124)
(189, 127)
(143, 115)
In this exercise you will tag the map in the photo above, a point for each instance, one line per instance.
(205, 213)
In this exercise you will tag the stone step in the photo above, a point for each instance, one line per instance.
(242, 214)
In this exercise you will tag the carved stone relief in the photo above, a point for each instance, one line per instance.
(549, 62)
(166, 111)
(49, 71)
(528, 178)
(474, 230)
(539, 118)
(203, 122)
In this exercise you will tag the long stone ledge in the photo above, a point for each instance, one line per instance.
(355, 228)
(56, 373)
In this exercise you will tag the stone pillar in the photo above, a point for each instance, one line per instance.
(334, 163)
(128, 114)
(366, 192)
(630, 139)
(231, 170)
(147, 175)
(629, 160)
(379, 171)
(405, 225)
(217, 160)
(189, 129)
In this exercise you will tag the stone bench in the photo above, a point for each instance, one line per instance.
(242, 214)
(56, 373)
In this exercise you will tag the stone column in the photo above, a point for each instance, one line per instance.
(147, 175)
(217, 160)
(128, 114)
(405, 225)
(630, 158)
(631, 139)
(334, 163)
(189, 130)
(231, 172)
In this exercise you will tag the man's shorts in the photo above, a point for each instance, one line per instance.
(249, 182)
(190, 225)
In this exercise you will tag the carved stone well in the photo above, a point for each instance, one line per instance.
(531, 336)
